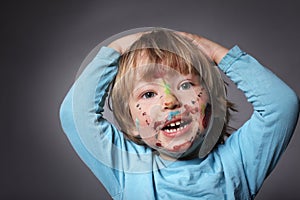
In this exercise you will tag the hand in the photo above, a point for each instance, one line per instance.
(123, 43)
(213, 50)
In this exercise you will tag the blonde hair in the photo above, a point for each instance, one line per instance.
(165, 47)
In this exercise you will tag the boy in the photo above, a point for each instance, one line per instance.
(170, 108)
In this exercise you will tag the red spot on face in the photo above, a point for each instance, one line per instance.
(147, 122)
(190, 109)
(158, 144)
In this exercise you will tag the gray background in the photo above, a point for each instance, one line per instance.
(44, 43)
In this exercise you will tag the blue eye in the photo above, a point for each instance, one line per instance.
(148, 95)
(186, 86)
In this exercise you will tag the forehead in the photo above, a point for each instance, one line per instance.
(142, 57)
(155, 71)
(170, 65)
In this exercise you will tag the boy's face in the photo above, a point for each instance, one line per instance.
(170, 110)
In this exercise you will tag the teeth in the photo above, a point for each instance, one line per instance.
(175, 129)
(175, 124)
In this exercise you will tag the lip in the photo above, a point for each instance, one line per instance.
(179, 131)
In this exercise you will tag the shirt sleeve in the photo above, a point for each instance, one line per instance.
(99, 143)
(260, 142)
(79, 118)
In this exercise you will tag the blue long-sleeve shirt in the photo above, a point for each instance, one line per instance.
(234, 170)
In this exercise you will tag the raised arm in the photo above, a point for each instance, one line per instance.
(98, 142)
(79, 114)
(213, 50)
(122, 44)
(256, 147)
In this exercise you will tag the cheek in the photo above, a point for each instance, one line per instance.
(197, 105)
(140, 114)
(202, 109)
(202, 100)
(151, 141)
(194, 97)
(202, 95)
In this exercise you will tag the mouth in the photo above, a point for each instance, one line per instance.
(176, 127)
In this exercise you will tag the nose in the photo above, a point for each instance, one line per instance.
(170, 101)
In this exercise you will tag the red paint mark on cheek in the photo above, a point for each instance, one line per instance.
(158, 144)
(199, 95)
(201, 92)
(138, 106)
(191, 109)
(147, 122)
